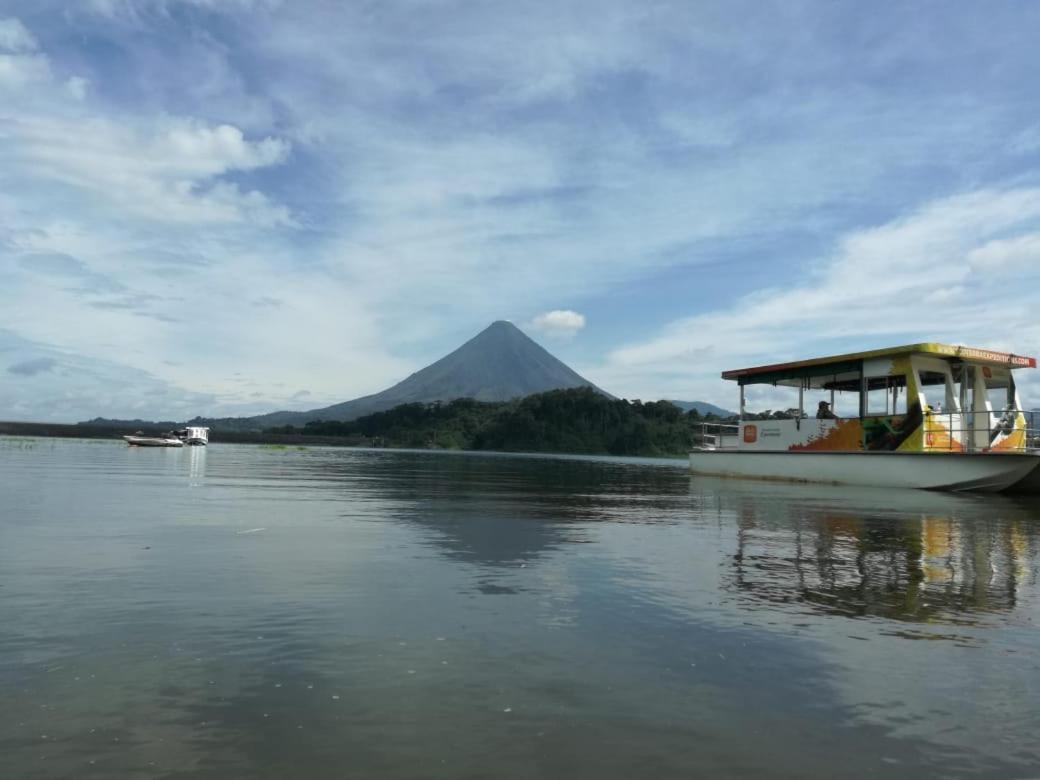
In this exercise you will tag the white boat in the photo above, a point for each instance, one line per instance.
(162, 440)
(918, 416)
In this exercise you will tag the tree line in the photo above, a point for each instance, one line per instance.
(578, 420)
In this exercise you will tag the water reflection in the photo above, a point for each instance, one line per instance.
(908, 556)
(196, 464)
(503, 510)
(245, 612)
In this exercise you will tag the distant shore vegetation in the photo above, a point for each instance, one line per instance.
(577, 420)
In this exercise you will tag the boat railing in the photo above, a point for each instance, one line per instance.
(966, 432)
(983, 431)
(717, 436)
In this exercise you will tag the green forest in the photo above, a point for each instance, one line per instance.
(577, 421)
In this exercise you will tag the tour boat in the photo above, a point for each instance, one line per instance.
(918, 416)
(162, 440)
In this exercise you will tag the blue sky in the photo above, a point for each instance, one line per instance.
(232, 207)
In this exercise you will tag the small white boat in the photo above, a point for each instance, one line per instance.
(162, 440)
(918, 416)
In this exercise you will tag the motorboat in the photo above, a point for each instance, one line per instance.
(193, 435)
(929, 415)
(162, 440)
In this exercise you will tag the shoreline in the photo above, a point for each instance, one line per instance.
(76, 431)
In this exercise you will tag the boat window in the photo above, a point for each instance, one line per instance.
(897, 391)
(841, 404)
(771, 402)
(886, 396)
(877, 401)
(1000, 389)
(933, 388)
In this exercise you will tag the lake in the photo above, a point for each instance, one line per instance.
(242, 611)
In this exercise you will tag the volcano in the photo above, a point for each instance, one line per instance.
(498, 364)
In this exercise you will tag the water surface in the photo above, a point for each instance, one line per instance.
(239, 611)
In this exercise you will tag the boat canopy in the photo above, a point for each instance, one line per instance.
(843, 372)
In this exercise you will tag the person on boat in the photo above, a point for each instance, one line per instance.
(823, 412)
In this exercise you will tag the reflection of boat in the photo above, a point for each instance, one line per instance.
(162, 440)
(896, 436)
(940, 559)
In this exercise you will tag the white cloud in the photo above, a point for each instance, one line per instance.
(45, 384)
(913, 279)
(206, 151)
(1006, 252)
(21, 63)
(161, 168)
(559, 323)
(168, 171)
(77, 87)
(15, 38)
(135, 9)
(20, 70)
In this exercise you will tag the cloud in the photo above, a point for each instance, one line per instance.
(69, 269)
(15, 38)
(77, 87)
(65, 386)
(267, 302)
(913, 279)
(209, 151)
(1007, 252)
(137, 10)
(32, 367)
(559, 323)
(160, 167)
(168, 170)
(54, 264)
(20, 62)
(390, 178)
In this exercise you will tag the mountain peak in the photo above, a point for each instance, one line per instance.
(502, 326)
(498, 364)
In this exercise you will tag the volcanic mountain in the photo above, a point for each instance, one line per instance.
(497, 364)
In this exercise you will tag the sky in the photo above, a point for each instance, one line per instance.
(228, 207)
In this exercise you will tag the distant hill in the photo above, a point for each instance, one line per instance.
(102, 422)
(498, 364)
(703, 408)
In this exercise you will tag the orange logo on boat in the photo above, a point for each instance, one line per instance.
(750, 434)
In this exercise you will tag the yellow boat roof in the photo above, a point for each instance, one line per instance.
(846, 362)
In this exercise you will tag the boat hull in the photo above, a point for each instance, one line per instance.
(151, 441)
(1030, 484)
(983, 472)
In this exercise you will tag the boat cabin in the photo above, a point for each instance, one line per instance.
(194, 434)
(914, 398)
